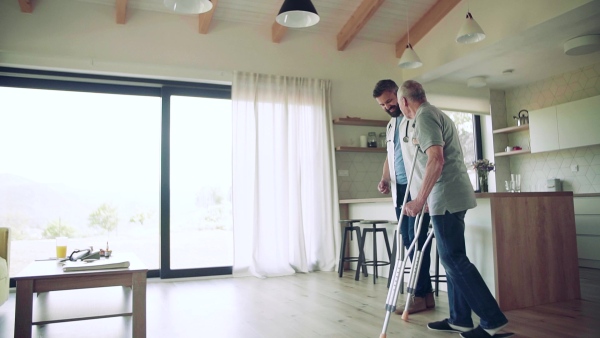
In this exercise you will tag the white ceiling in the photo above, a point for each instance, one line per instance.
(537, 54)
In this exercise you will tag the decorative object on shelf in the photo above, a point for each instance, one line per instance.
(363, 141)
(521, 118)
(483, 167)
(297, 14)
(382, 140)
(189, 6)
(372, 140)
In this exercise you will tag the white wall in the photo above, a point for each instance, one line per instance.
(84, 37)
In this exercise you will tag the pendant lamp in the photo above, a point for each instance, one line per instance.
(189, 6)
(297, 14)
(470, 32)
(409, 59)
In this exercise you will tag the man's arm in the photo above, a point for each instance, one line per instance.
(384, 184)
(433, 171)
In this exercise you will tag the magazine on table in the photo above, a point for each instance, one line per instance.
(97, 264)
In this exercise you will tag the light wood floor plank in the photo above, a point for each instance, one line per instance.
(307, 306)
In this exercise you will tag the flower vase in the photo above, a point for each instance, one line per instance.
(483, 183)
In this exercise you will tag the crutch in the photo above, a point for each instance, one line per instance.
(398, 275)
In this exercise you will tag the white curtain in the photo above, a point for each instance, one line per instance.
(286, 217)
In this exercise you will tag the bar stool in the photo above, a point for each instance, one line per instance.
(349, 228)
(436, 277)
(362, 261)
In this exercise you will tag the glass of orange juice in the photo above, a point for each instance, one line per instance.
(61, 247)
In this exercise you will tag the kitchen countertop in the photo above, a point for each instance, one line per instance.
(477, 195)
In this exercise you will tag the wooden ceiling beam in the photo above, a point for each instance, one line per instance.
(121, 11)
(357, 21)
(205, 19)
(26, 6)
(425, 24)
(277, 32)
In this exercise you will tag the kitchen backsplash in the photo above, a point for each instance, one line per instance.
(535, 169)
(364, 173)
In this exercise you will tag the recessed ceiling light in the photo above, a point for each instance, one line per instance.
(582, 45)
(476, 82)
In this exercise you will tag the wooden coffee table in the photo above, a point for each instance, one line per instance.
(45, 276)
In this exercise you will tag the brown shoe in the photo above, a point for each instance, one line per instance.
(417, 304)
(430, 300)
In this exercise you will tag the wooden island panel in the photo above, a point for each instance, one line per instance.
(535, 249)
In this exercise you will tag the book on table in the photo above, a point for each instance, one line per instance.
(100, 264)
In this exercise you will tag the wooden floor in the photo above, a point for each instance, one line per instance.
(307, 305)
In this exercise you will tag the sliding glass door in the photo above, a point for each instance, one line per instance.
(201, 223)
(82, 165)
(143, 168)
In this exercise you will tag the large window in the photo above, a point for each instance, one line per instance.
(119, 165)
(469, 134)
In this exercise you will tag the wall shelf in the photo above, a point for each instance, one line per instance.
(360, 149)
(511, 129)
(357, 121)
(514, 152)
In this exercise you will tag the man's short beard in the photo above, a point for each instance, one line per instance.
(396, 112)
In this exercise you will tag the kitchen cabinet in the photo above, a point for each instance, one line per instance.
(355, 121)
(543, 132)
(509, 130)
(587, 223)
(568, 125)
(578, 123)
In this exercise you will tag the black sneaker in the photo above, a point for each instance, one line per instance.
(479, 332)
(444, 326)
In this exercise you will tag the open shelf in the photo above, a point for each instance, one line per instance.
(511, 129)
(514, 152)
(357, 121)
(360, 149)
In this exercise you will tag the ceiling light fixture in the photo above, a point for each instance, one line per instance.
(409, 59)
(470, 32)
(476, 82)
(582, 45)
(297, 14)
(189, 6)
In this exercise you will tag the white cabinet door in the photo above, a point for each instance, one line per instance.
(578, 123)
(543, 129)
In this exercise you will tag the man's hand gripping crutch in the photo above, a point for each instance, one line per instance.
(398, 274)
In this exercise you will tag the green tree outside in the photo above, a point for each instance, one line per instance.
(57, 228)
(105, 218)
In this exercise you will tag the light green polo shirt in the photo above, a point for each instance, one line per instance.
(453, 191)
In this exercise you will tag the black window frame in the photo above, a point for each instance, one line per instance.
(109, 84)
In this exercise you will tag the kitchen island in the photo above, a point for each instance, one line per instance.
(523, 244)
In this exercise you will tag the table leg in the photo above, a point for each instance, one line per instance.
(139, 304)
(24, 308)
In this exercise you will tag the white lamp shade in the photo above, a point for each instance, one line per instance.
(409, 59)
(470, 32)
(189, 6)
(297, 14)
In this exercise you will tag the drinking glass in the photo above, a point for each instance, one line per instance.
(61, 247)
(518, 182)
